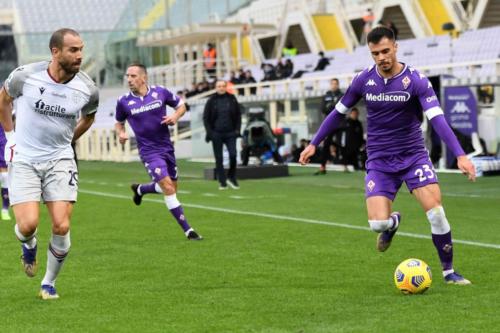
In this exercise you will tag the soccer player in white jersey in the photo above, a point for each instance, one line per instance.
(55, 105)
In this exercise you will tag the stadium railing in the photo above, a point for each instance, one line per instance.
(102, 143)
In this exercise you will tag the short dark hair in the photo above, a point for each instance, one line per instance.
(57, 38)
(378, 33)
(138, 64)
(335, 79)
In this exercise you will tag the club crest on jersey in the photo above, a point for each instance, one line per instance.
(154, 94)
(406, 82)
(158, 171)
(75, 97)
(131, 103)
(370, 185)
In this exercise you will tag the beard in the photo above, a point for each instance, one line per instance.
(386, 67)
(70, 67)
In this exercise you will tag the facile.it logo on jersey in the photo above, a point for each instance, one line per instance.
(393, 96)
(52, 110)
(40, 105)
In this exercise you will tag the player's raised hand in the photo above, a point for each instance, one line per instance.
(169, 120)
(467, 168)
(123, 137)
(306, 154)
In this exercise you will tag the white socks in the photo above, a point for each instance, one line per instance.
(57, 252)
(4, 179)
(28, 241)
(382, 225)
(439, 222)
(171, 201)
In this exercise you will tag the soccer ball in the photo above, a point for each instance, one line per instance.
(413, 276)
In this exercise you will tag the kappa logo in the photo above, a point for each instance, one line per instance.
(370, 185)
(131, 103)
(42, 89)
(460, 107)
(406, 82)
(370, 83)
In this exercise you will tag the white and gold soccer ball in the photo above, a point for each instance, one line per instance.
(413, 276)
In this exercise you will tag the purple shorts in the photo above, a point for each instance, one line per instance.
(161, 166)
(3, 164)
(418, 174)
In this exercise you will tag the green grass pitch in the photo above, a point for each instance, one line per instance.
(280, 255)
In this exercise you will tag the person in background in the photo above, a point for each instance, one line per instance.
(222, 121)
(328, 102)
(289, 50)
(322, 62)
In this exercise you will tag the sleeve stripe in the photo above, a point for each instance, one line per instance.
(433, 112)
(341, 108)
(181, 102)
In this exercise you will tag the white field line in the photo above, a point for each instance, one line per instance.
(286, 218)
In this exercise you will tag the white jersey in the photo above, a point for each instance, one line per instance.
(47, 111)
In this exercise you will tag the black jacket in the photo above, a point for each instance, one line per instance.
(210, 114)
(351, 135)
(321, 65)
(329, 101)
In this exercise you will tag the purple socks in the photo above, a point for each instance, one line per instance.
(444, 247)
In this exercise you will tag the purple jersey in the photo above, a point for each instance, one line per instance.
(394, 113)
(144, 115)
(3, 139)
(3, 142)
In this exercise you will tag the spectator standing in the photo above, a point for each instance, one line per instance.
(328, 103)
(351, 140)
(222, 120)
(289, 50)
(210, 60)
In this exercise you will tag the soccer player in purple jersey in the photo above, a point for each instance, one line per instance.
(395, 96)
(4, 178)
(144, 107)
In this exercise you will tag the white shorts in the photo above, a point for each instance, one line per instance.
(48, 181)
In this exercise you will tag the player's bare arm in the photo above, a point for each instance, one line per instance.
(306, 154)
(6, 110)
(83, 125)
(173, 118)
(122, 133)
